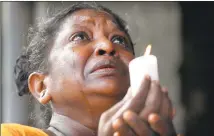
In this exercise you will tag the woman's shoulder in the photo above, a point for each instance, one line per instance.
(10, 129)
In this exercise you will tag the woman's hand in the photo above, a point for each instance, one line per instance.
(157, 113)
(123, 122)
(116, 112)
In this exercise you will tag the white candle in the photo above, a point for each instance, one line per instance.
(141, 66)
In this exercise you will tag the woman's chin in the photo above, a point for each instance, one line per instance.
(109, 86)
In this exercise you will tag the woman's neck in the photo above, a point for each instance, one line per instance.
(68, 127)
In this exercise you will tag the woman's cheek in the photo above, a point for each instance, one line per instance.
(127, 58)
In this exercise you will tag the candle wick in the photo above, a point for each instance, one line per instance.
(148, 50)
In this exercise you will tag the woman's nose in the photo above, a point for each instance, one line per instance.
(106, 48)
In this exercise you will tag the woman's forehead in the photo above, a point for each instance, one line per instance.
(90, 16)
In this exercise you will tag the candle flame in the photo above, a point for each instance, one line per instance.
(148, 50)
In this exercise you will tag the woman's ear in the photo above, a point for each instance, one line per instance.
(37, 87)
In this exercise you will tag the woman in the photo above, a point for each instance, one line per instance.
(78, 61)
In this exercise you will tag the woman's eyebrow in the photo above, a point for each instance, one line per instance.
(116, 24)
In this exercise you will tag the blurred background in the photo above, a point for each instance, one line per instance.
(182, 37)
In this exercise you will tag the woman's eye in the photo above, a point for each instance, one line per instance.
(119, 40)
(81, 36)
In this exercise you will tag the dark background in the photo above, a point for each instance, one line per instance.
(197, 69)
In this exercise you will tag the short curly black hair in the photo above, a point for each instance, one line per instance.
(35, 56)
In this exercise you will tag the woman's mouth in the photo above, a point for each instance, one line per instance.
(104, 68)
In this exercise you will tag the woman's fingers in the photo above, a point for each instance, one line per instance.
(137, 125)
(137, 102)
(109, 113)
(140, 98)
(153, 101)
(106, 116)
(157, 124)
(155, 95)
(161, 126)
(121, 128)
(167, 111)
(166, 107)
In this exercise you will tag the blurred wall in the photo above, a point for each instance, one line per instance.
(16, 17)
(157, 23)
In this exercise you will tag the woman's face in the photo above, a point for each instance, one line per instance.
(89, 60)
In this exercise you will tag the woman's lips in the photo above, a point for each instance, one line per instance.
(105, 72)
(104, 68)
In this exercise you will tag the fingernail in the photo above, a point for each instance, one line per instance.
(147, 77)
(117, 123)
(116, 134)
(127, 115)
(153, 118)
